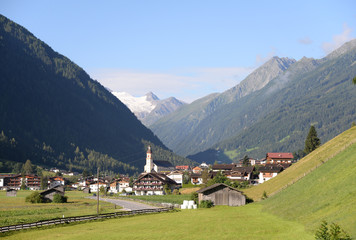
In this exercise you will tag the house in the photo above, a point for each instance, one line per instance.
(222, 194)
(94, 186)
(157, 165)
(124, 185)
(152, 184)
(183, 168)
(197, 170)
(56, 181)
(177, 176)
(269, 171)
(14, 181)
(273, 158)
(49, 193)
(196, 178)
(240, 173)
(114, 186)
(11, 192)
(203, 165)
(223, 167)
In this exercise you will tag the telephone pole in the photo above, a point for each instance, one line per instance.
(97, 194)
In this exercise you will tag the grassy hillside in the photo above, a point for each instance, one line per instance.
(305, 165)
(326, 192)
(246, 222)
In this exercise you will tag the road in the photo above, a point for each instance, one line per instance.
(127, 205)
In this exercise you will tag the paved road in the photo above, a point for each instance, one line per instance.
(127, 205)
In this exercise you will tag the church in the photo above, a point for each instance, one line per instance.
(156, 166)
(152, 181)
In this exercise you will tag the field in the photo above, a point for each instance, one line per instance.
(246, 222)
(14, 210)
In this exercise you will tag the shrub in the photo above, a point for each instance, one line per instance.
(194, 197)
(206, 204)
(176, 192)
(264, 195)
(58, 198)
(34, 197)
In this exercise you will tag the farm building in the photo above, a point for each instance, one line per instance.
(11, 192)
(222, 194)
(49, 193)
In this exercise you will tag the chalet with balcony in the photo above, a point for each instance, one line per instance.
(153, 184)
(196, 178)
(275, 158)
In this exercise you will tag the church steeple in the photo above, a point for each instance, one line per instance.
(149, 160)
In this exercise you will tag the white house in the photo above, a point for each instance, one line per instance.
(94, 186)
(269, 171)
(176, 176)
(196, 179)
(124, 185)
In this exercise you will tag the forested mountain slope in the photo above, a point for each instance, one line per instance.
(54, 114)
(310, 92)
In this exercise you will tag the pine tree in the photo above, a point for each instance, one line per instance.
(27, 167)
(312, 141)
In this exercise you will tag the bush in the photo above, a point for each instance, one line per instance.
(206, 204)
(264, 195)
(58, 198)
(176, 192)
(35, 197)
(194, 197)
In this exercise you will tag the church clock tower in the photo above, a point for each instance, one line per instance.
(149, 161)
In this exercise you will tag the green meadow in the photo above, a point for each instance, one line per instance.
(14, 210)
(221, 222)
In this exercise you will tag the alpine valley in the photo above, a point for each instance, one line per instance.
(54, 114)
(269, 111)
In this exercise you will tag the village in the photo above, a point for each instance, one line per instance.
(158, 177)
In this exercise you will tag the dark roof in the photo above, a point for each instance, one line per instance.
(223, 166)
(161, 163)
(215, 186)
(159, 176)
(271, 168)
(57, 189)
(195, 175)
(248, 169)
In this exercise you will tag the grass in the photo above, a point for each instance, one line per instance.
(304, 166)
(328, 193)
(246, 222)
(176, 199)
(14, 210)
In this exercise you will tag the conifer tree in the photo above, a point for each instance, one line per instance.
(312, 141)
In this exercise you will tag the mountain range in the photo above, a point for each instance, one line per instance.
(149, 108)
(271, 110)
(54, 114)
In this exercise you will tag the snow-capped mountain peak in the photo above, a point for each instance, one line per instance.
(148, 108)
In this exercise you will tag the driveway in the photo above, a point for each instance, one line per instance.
(127, 205)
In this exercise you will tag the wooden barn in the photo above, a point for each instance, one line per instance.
(49, 193)
(222, 194)
(11, 192)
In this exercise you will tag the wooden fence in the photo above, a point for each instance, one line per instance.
(80, 218)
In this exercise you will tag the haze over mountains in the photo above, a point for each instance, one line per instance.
(149, 108)
(271, 110)
(54, 114)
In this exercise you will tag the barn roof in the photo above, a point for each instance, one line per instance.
(216, 185)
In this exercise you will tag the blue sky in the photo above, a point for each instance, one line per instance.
(186, 49)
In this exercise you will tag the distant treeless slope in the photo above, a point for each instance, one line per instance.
(321, 186)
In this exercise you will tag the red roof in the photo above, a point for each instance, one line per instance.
(280, 155)
(182, 167)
